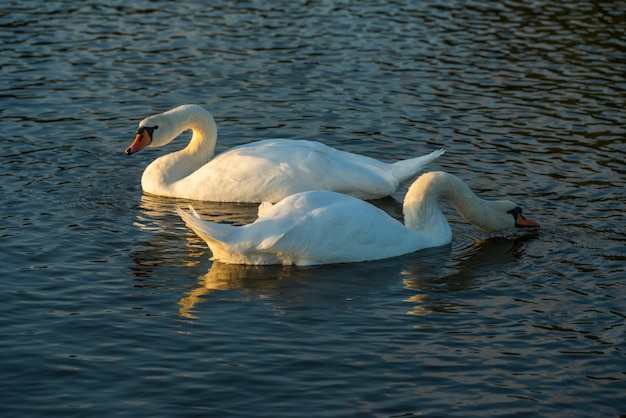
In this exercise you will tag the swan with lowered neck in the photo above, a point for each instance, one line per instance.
(261, 171)
(323, 227)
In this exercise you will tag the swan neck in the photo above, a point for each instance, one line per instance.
(421, 205)
(162, 174)
(202, 125)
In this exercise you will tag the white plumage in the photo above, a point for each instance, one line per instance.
(324, 227)
(267, 170)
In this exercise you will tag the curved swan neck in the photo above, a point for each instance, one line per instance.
(162, 173)
(182, 118)
(421, 209)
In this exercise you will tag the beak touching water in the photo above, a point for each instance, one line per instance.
(521, 222)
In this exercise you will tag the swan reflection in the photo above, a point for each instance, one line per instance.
(162, 231)
(432, 279)
(428, 275)
(252, 280)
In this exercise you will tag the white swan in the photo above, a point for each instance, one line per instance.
(322, 227)
(267, 170)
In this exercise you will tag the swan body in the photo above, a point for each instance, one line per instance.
(261, 171)
(324, 227)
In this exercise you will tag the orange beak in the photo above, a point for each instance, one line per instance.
(142, 140)
(521, 222)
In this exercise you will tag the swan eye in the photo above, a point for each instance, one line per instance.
(520, 220)
(148, 129)
(515, 212)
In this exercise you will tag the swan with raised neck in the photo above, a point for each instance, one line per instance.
(268, 170)
(322, 227)
(159, 130)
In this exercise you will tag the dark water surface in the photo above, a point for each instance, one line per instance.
(111, 307)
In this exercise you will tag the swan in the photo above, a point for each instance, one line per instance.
(268, 170)
(324, 227)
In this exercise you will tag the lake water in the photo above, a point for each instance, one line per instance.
(112, 307)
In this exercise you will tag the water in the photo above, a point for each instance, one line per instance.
(111, 307)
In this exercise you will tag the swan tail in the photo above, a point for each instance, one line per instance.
(214, 234)
(406, 169)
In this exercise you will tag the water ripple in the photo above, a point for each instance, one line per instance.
(113, 306)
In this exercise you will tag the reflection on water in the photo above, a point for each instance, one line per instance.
(157, 215)
(432, 278)
(252, 280)
(429, 272)
(154, 209)
(470, 262)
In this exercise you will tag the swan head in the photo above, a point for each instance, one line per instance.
(520, 220)
(153, 131)
(498, 215)
(161, 129)
(143, 138)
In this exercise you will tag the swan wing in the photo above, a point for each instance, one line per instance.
(300, 165)
(318, 227)
(326, 227)
(271, 170)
